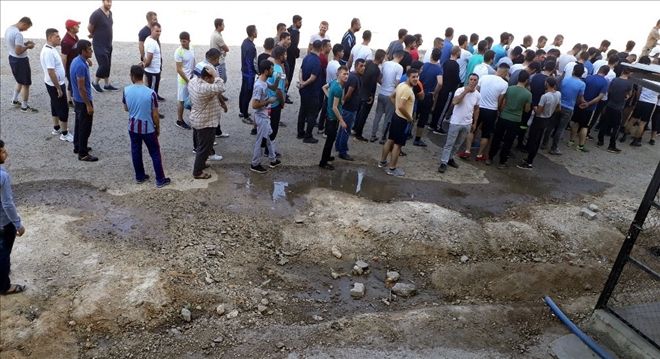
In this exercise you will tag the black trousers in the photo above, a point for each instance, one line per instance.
(535, 135)
(204, 138)
(7, 237)
(611, 121)
(247, 86)
(82, 130)
(153, 81)
(309, 109)
(505, 133)
(362, 115)
(323, 113)
(331, 133)
(441, 108)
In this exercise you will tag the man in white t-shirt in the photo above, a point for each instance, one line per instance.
(492, 89)
(465, 56)
(55, 79)
(466, 109)
(184, 57)
(485, 68)
(153, 60)
(390, 77)
(360, 51)
(323, 28)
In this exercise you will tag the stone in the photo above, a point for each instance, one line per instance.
(362, 264)
(393, 276)
(335, 275)
(336, 252)
(220, 309)
(594, 208)
(72, 323)
(587, 213)
(357, 291)
(464, 259)
(233, 314)
(279, 345)
(262, 308)
(264, 301)
(318, 318)
(300, 220)
(186, 315)
(218, 340)
(283, 261)
(209, 280)
(404, 289)
(357, 270)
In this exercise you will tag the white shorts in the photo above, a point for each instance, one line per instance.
(181, 92)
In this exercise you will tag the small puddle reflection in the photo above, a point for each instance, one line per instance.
(360, 178)
(279, 190)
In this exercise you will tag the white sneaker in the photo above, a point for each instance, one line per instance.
(67, 138)
(215, 157)
(55, 132)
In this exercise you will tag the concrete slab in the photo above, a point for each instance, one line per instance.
(618, 337)
(571, 347)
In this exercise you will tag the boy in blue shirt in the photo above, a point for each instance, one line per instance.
(334, 92)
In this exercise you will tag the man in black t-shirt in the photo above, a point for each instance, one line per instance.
(292, 52)
(152, 18)
(450, 81)
(348, 41)
(408, 43)
(619, 91)
(100, 31)
(368, 92)
(350, 108)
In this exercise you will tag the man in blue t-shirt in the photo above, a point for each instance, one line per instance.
(595, 89)
(81, 90)
(351, 104)
(279, 72)
(141, 103)
(500, 49)
(430, 76)
(335, 93)
(572, 93)
(310, 92)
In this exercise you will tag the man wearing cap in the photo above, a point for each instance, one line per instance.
(19, 63)
(54, 76)
(100, 30)
(69, 50)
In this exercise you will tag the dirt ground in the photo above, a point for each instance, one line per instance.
(110, 264)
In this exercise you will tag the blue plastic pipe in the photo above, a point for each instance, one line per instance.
(577, 331)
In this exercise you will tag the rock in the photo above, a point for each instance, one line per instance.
(335, 275)
(72, 323)
(392, 276)
(279, 345)
(311, 214)
(209, 280)
(336, 252)
(318, 318)
(65, 253)
(464, 259)
(404, 289)
(587, 213)
(357, 270)
(283, 261)
(186, 315)
(233, 314)
(262, 308)
(218, 340)
(220, 309)
(362, 264)
(336, 326)
(357, 291)
(264, 301)
(594, 208)
(300, 220)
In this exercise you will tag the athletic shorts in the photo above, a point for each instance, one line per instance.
(655, 121)
(20, 68)
(486, 121)
(181, 92)
(58, 105)
(581, 117)
(398, 127)
(643, 111)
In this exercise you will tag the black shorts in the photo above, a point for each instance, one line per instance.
(104, 58)
(20, 68)
(486, 121)
(655, 121)
(58, 105)
(398, 127)
(581, 117)
(643, 111)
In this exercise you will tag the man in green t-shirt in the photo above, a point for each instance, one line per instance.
(517, 100)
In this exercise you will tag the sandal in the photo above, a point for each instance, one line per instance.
(14, 289)
(204, 175)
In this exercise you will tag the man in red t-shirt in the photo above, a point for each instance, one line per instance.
(69, 51)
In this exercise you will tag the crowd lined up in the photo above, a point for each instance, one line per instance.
(466, 88)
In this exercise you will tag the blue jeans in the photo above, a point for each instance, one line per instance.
(151, 141)
(344, 133)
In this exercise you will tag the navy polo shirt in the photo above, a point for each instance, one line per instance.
(311, 65)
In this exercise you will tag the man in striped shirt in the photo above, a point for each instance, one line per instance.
(141, 103)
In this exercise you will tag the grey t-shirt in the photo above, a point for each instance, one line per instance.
(549, 101)
(617, 93)
(260, 93)
(14, 37)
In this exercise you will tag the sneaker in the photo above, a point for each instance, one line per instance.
(161, 116)
(242, 115)
(623, 138)
(555, 152)
(29, 109)
(112, 88)
(55, 132)
(89, 149)
(71, 104)
(382, 142)
(275, 163)
(222, 135)
(524, 165)
(397, 172)
(310, 140)
(282, 125)
(503, 165)
(464, 155)
(361, 139)
(327, 166)
(97, 87)
(215, 157)
(15, 103)
(613, 150)
(419, 143)
(88, 158)
(165, 182)
(439, 131)
(480, 158)
(247, 120)
(160, 99)
(68, 137)
(599, 143)
(582, 149)
(442, 168)
(331, 158)
(194, 151)
(373, 139)
(258, 169)
(183, 125)
(636, 143)
(382, 164)
(652, 142)
(253, 132)
(145, 179)
(346, 157)
(452, 163)
(571, 143)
